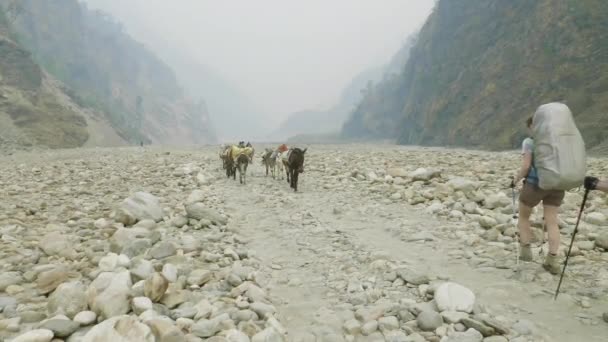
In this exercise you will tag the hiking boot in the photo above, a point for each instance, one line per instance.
(552, 264)
(525, 253)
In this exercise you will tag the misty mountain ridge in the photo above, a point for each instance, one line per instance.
(226, 103)
(105, 72)
(325, 124)
(479, 68)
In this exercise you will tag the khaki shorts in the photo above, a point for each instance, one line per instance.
(531, 195)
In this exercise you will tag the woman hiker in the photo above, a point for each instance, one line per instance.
(531, 195)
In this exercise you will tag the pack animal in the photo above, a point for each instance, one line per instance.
(294, 165)
(241, 158)
(269, 159)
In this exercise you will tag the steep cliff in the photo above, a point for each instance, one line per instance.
(31, 111)
(480, 67)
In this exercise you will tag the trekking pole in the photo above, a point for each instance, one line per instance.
(580, 213)
(515, 217)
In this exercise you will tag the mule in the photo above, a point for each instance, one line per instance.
(278, 165)
(242, 162)
(294, 165)
(269, 161)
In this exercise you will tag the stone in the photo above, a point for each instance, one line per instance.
(462, 184)
(234, 335)
(596, 218)
(453, 317)
(141, 304)
(10, 324)
(85, 318)
(174, 298)
(487, 222)
(199, 211)
(498, 200)
(60, 327)
(482, 328)
(412, 277)
(352, 327)
(602, 240)
(140, 206)
(48, 281)
(136, 247)
(454, 297)
(165, 331)
(141, 269)
(495, 339)
(37, 335)
(68, 299)
(195, 196)
(113, 300)
(199, 277)
(499, 327)
(56, 243)
(204, 309)
(395, 336)
(120, 329)
(155, 287)
(101, 223)
(170, 272)
(524, 327)
(268, 335)
(585, 245)
(422, 174)
(6, 301)
(262, 309)
(162, 250)
(429, 320)
(605, 316)
(397, 172)
(31, 316)
(369, 328)
(388, 323)
(470, 335)
(179, 221)
(206, 328)
(109, 262)
(123, 236)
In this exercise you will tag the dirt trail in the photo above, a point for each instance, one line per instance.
(300, 236)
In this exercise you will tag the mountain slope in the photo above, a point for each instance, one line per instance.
(108, 71)
(480, 67)
(34, 109)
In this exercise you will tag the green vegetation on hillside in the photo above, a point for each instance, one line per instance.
(480, 67)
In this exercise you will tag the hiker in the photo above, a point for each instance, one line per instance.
(593, 183)
(531, 195)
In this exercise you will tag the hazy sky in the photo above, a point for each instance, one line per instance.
(286, 55)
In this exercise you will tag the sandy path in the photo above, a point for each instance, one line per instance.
(300, 237)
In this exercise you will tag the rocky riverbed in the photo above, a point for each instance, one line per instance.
(382, 243)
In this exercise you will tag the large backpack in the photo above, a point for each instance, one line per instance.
(559, 149)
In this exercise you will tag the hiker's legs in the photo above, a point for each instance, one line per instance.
(602, 185)
(523, 224)
(551, 204)
(552, 227)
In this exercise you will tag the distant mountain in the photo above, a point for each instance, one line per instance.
(227, 105)
(480, 67)
(313, 122)
(109, 73)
